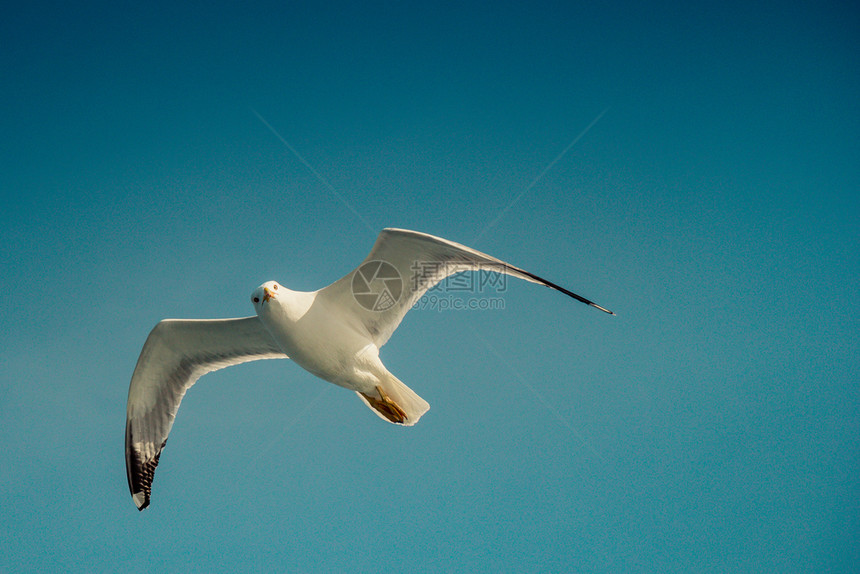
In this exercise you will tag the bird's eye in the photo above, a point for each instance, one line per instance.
(256, 299)
(275, 286)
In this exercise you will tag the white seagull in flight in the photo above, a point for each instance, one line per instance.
(334, 333)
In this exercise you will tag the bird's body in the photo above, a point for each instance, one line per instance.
(334, 333)
(324, 341)
(311, 336)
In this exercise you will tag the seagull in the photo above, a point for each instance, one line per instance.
(334, 333)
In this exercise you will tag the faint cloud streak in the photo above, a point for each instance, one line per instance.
(535, 392)
(540, 175)
(280, 439)
(321, 179)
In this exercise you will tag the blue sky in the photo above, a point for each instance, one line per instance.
(710, 426)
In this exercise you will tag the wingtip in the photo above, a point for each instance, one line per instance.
(141, 500)
(602, 309)
(140, 474)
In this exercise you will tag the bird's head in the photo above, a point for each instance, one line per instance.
(263, 293)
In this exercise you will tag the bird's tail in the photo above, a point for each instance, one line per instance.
(409, 403)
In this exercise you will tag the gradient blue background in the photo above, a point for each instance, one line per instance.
(711, 426)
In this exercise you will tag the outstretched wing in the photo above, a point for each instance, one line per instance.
(400, 269)
(176, 354)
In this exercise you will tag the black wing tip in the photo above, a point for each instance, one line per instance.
(589, 303)
(140, 475)
(605, 310)
(552, 285)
